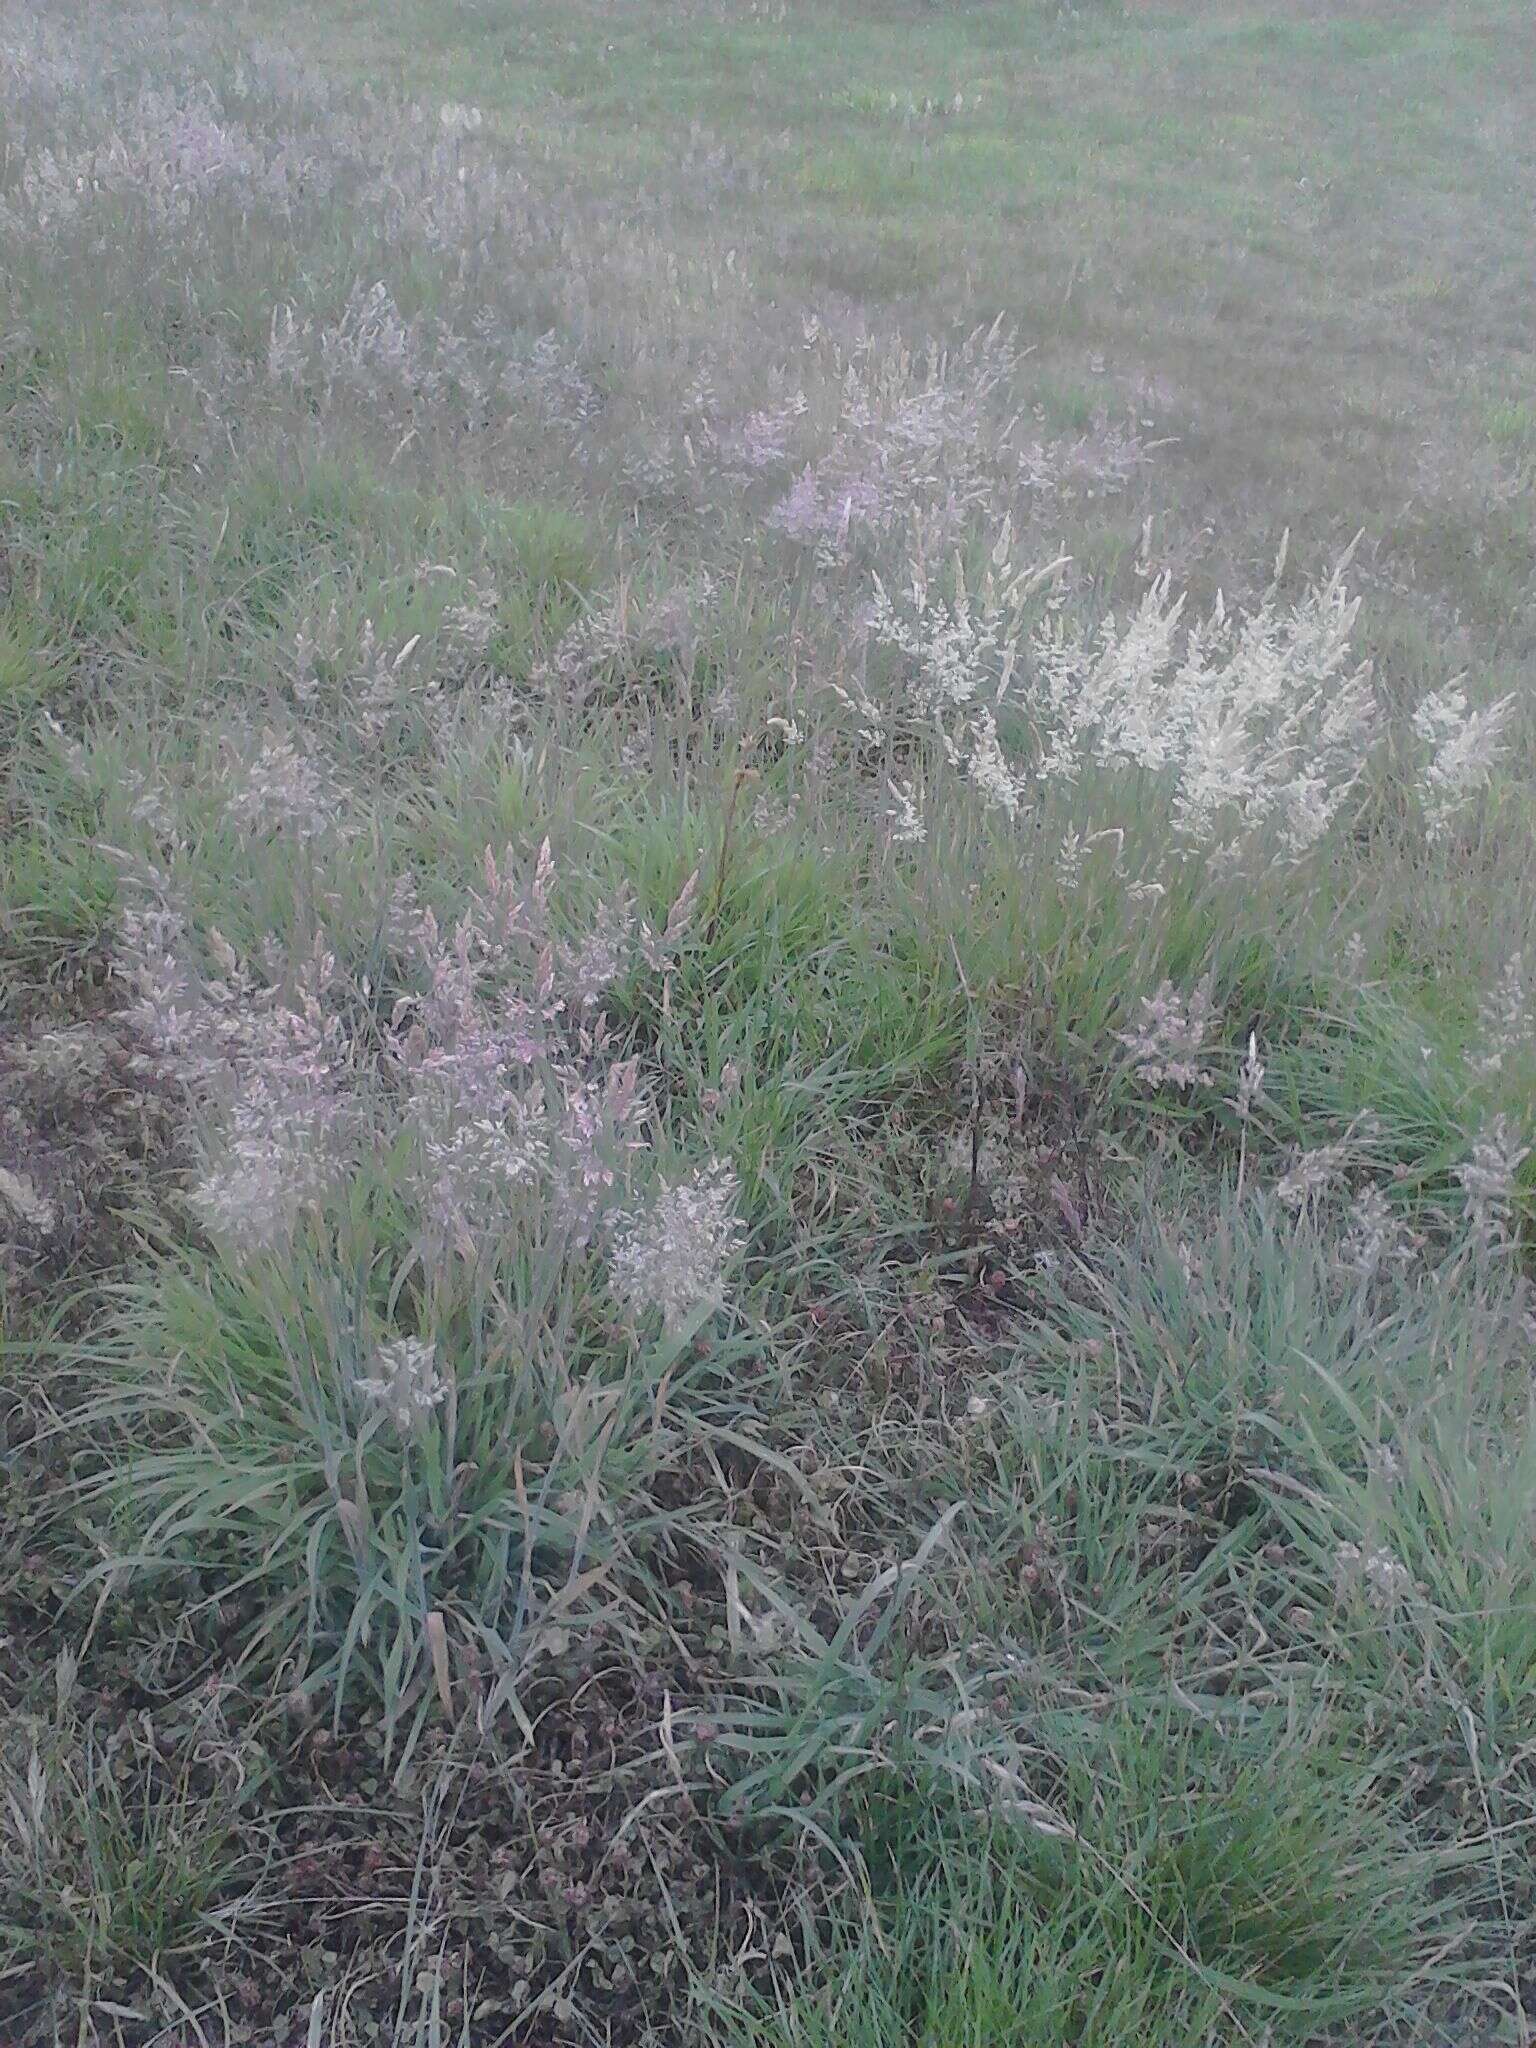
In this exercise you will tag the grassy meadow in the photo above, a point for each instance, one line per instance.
(767, 1032)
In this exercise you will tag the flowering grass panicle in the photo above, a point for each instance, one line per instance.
(958, 645)
(457, 119)
(547, 382)
(1504, 1021)
(1374, 1235)
(281, 787)
(273, 1071)
(893, 437)
(1169, 1042)
(474, 616)
(764, 440)
(673, 1255)
(371, 345)
(513, 1094)
(480, 1139)
(595, 1135)
(1384, 1580)
(150, 957)
(1489, 1184)
(629, 636)
(1461, 748)
(1259, 722)
(501, 1074)
(274, 1157)
(1314, 1172)
(956, 650)
(1100, 463)
(1250, 1082)
(1069, 859)
(162, 160)
(908, 827)
(408, 1385)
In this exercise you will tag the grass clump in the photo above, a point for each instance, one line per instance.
(1177, 1881)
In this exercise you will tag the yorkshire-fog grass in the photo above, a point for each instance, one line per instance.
(766, 1053)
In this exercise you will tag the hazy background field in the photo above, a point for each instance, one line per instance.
(766, 863)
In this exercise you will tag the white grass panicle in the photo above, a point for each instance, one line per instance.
(1488, 1181)
(1259, 722)
(1504, 1020)
(408, 1385)
(1460, 749)
(1169, 1042)
(673, 1255)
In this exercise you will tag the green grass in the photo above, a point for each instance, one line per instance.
(1065, 1573)
(1256, 1899)
(1206, 198)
